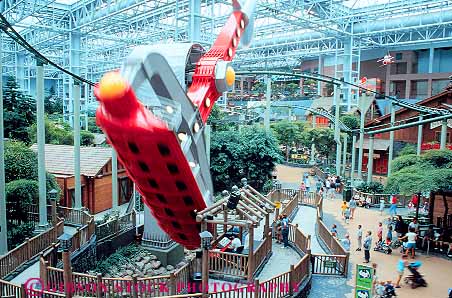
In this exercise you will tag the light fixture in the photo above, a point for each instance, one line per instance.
(65, 242)
(206, 239)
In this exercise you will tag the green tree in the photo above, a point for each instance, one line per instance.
(86, 138)
(350, 121)
(287, 133)
(218, 120)
(292, 88)
(92, 126)
(52, 103)
(323, 139)
(249, 153)
(55, 133)
(407, 149)
(19, 111)
(20, 195)
(431, 172)
(20, 162)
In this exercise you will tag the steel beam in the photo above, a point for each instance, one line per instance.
(419, 136)
(3, 222)
(78, 187)
(443, 134)
(370, 161)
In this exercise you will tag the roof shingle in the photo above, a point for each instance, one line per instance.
(60, 159)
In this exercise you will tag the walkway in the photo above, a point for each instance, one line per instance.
(437, 271)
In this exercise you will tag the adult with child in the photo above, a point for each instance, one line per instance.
(411, 237)
(401, 227)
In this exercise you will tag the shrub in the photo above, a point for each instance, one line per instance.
(407, 150)
(404, 161)
(20, 162)
(438, 158)
(18, 233)
(372, 187)
(20, 194)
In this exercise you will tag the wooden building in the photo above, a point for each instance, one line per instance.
(96, 176)
(430, 132)
(440, 211)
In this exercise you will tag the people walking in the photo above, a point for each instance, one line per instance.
(403, 262)
(353, 204)
(393, 208)
(359, 236)
(285, 230)
(367, 246)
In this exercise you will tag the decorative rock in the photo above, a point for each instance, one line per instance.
(169, 267)
(180, 265)
(152, 257)
(140, 265)
(146, 259)
(147, 267)
(129, 272)
(156, 264)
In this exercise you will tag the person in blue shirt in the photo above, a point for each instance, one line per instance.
(285, 230)
(403, 262)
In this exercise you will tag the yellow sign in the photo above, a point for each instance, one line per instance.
(297, 156)
(278, 204)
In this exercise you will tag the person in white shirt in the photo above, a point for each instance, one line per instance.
(411, 237)
(236, 243)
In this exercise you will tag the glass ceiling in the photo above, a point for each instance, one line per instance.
(365, 3)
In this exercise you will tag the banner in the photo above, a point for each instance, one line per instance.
(364, 281)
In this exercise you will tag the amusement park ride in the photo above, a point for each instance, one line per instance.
(386, 60)
(163, 147)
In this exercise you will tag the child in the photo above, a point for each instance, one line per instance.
(367, 246)
(403, 262)
(347, 215)
(359, 235)
(380, 289)
(389, 234)
(346, 243)
(380, 232)
(334, 230)
(368, 203)
(343, 208)
(382, 206)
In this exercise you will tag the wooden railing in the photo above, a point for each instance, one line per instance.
(226, 263)
(307, 198)
(182, 276)
(115, 226)
(329, 264)
(29, 249)
(375, 198)
(301, 270)
(262, 251)
(281, 194)
(83, 235)
(291, 206)
(299, 239)
(77, 217)
(276, 287)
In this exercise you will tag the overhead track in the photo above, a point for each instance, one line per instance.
(11, 32)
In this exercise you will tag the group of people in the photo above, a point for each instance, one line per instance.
(330, 187)
(282, 230)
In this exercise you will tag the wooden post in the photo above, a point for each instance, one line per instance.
(172, 284)
(27, 241)
(67, 274)
(134, 287)
(205, 273)
(251, 253)
(23, 291)
(267, 225)
(347, 258)
(53, 211)
(134, 218)
(99, 288)
(256, 288)
(225, 219)
(43, 269)
(291, 279)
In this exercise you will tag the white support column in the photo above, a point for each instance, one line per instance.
(3, 223)
(431, 60)
(78, 187)
(443, 134)
(40, 123)
(195, 21)
(207, 132)
(114, 179)
(337, 131)
(344, 157)
(361, 143)
(352, 171)
(370, 162)
(420, 129)
(267, 103)
(391, 140)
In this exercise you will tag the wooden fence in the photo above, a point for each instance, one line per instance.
(375, 198)
(299, 239)
(226, 263)
(262, 251)
(29, 249)
(83, 235)
(76, 217)
(115, 226)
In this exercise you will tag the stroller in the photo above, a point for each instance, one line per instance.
(415, 279)
(385, 291)
(381, 246)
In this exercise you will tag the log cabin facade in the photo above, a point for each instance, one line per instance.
(430, 132)
(96, 176)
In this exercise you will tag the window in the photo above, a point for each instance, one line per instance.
(125, 190)
(398, 56)
(439, 86)
(72, 195)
